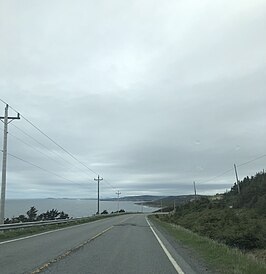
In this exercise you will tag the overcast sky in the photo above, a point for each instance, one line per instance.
(152, 95)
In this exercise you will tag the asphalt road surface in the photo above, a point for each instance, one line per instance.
(123, 244)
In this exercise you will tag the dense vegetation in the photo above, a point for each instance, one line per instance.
(167, 202)
(53, 214)
(238, 220)
(32, 216)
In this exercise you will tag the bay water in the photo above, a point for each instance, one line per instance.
(73, 207)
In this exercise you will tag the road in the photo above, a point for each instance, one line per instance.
(121, 244)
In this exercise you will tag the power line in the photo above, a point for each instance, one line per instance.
(47, 155)
(35, 140)
(250, 161)
(108, 183)
(231, 169)
(41, 168)
(34, 148)
(54, 142)
(219, 175)
(4, 102)
(91, 170)
(41, 145)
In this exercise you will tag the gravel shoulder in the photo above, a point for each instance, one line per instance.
(184, 255)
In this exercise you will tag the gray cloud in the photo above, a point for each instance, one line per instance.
(152, 96)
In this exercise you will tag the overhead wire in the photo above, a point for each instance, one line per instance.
(66, 151)
(51, 152)
(34, 148)
(41, 168)
(232, 169)
(39, 143)
(88, 168)
(217, 176)
(253, 160)
(3, 101)
(109, 184)
(54, 142)
(49, 138)
(45, 154)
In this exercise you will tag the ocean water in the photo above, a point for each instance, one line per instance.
(73, 207)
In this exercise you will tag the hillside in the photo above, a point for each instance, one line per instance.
(238, 220)
(168, 202)
(252, 194)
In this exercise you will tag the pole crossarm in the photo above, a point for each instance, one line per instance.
(2, 118)
(11, 117)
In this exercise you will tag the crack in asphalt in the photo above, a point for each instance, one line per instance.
(130, 224)
(68, 252)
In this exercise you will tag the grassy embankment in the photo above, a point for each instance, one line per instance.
(219, 257)
(234, 223)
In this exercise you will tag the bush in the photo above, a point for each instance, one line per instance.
(243, 229)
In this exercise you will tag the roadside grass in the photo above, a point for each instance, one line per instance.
(219, 257)
(15, 233)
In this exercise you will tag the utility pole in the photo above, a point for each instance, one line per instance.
(118, 193)
(98, 179)
(195, 191)
(237, 181)
(3, 187)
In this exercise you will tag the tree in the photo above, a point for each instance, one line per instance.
(22, 218)
(52, 214)
(7, 221)
(32, 214)
(63, 215)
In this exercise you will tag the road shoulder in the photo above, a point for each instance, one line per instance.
(187, 258)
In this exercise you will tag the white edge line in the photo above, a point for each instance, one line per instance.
(47, 232)
(51, 231)
(171, 259)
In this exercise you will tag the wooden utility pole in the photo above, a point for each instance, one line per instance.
(3, 186)
(118, 193)
(195, 191)
(237, 181)
(98, 179)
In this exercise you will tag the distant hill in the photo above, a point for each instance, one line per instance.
(233, 218)
(168, 202)
(141, 198)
